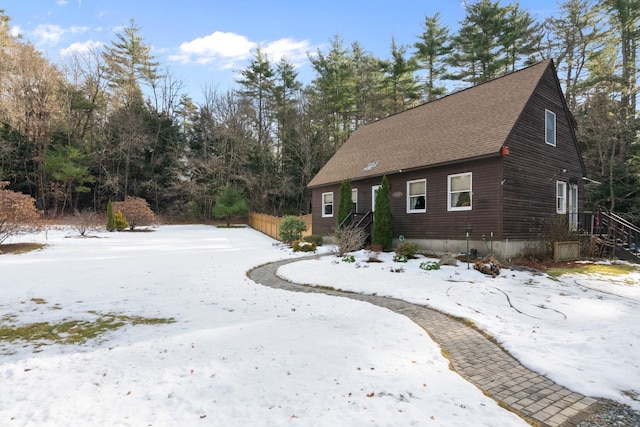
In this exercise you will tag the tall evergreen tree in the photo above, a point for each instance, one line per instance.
(521, 38)
(399, 84)
(257, 90)
(381, 233)
(477, 52)
(334, 91)
(575, 36)
(432, 49)
(345, 203)
(129, 64)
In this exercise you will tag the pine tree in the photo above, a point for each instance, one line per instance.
(381, 233)
(111, 218)
(431, 52)
(229, 204)
(345, 204)
(399, 83)
(476, 47)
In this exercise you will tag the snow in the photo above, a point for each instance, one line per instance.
(579, 330)
(239, 353)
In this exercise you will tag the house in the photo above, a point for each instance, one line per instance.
(498, 161)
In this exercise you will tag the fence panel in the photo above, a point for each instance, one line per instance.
(270, 225)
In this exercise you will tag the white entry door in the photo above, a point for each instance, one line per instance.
(572, 210)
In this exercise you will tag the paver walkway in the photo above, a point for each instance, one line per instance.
(475, 357)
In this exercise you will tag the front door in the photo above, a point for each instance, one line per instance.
(374, 193)
(572, 210)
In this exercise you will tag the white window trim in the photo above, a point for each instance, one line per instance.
(354, 199)
(326, 215)
(409, 196)
(374, 190)
(460, 208)
(561, 207)
(546, 127)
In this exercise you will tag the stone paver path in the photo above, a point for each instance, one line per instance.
(475, 357)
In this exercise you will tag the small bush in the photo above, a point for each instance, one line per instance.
(18, 213)
(430, 265)
(313, 238)
(291, 229)
(373, 252)
(85, 221)
(408, 249)
(120, 222)
(136, 210)
(303, 246)
(349, 238)
(400, 258)
(348, 258)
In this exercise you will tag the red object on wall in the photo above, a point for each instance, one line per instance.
(504, 150)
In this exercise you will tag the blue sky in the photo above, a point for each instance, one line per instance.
(204, 43)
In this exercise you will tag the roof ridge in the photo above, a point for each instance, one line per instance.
(466, 89)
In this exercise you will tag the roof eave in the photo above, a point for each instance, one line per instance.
(394, 172)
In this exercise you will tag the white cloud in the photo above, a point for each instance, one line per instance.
(80, 47)
(48, 34)
(293, 50)
(215, 46)
(226, 49)
(62, 2)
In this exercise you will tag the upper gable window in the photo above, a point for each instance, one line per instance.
(550, 127)
(327, 204)
(459, 189)
(417, 196)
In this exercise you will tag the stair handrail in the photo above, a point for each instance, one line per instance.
(622, 221)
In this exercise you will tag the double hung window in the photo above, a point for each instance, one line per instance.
(327, 204)
(417, 196)
(550, 127)
(460, 192)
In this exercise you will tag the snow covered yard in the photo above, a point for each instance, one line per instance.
(579, 330)
(234, 354)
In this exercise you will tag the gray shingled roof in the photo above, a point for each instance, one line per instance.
(472, 123)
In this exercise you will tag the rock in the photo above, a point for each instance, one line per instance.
(448, 259)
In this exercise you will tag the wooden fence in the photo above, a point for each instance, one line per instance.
(270, 225)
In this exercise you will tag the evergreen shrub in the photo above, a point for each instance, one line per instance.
(111, 218)
(408, 249)
(304, 246)
(313, 238)
(120, 222)
(291, 229)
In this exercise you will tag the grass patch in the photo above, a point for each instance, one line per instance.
(607, 269)
(73, 331)
(19, 248)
